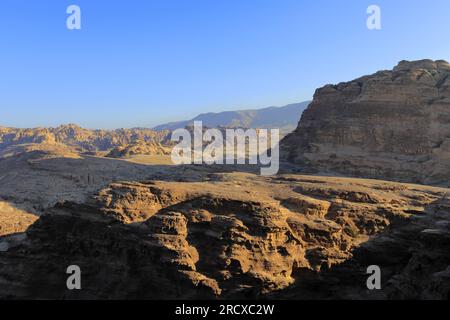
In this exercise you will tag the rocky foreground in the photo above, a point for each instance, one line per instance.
(191, 232)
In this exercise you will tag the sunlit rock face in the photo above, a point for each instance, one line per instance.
(393, 125)
(232, 236)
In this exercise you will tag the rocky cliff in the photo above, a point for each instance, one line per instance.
(392, 125)
(233, 235)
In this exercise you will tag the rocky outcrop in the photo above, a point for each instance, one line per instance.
(389, 125)
(83, 140)
(139, 148)
(235, 235)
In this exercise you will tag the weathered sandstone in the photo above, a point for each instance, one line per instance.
(390, 125)
(236, 235)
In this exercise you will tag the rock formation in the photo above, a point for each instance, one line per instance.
(139, 148)
(389, 125)
(141, 231)
(235, 235)
(82, 140)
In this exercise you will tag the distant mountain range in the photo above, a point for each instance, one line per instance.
(73, 139)
(285, 118)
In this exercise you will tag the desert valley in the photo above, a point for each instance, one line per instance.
(364, 180)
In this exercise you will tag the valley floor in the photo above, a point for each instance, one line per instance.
(143, 229)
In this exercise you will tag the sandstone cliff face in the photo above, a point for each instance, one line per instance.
(391, 125)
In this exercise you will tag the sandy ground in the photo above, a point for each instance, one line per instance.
(13, 219)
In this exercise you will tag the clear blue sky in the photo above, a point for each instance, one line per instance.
(144, 62)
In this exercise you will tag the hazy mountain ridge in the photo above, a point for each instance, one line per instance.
(71, 138)
(285, 118)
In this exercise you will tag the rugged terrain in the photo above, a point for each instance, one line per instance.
(80, 140)
(141, 228)
(153, 231)
(139, 148)
(390, 125)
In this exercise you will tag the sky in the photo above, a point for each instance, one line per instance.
(139, 63)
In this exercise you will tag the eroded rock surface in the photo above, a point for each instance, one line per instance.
(139, 148)
(237, 235)
(390, 125)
